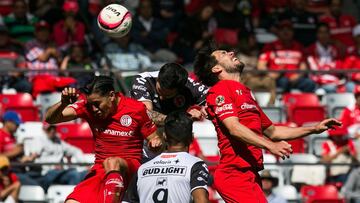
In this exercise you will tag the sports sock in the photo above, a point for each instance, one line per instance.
(114, 187)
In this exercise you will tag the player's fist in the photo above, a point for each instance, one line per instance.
(69, 95)
(155, 143)
(281, 149)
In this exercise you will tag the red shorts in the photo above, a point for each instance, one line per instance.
(91, 189)
(235, 185)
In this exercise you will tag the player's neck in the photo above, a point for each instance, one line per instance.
(177, 148)
(230, 76)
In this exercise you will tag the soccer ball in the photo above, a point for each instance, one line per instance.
(115, 20)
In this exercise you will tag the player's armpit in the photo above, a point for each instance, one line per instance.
(157, 117)
(200, 195)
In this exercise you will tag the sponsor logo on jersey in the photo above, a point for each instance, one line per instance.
(248, 106)
(139, 87)
(203, 173)
(118, 133)
(161, 181)
(225, 107)
(166, 156)
(126, 120)
(220, 100)
(164, 170)
(162, 162)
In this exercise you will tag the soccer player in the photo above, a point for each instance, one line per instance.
(174, 175)
(119, 125)
(168, 90)
(240, 124)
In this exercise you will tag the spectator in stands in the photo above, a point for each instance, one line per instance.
(323, 55)
(6, 7)
(304, 22)
(125, 54)
(265, 12)
(9, 184)
(11, 56)
(70, 29)
(352, 61)
(20, 22)
(341, 25)
(351, 189)
(41, 53)
(48, 10)
(286, 54)
(350, 117)
(202, 26)
(268, 183)
(151, 33)
(338, 149)
(51, 149)
(78, 59)
(231, 25)
(257, 82)
(170, 12)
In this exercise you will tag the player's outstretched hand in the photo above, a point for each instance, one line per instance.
(326, 125)
(281, 149)
(155, 143)
(69, 95)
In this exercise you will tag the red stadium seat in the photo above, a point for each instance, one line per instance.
(303, 108)
(22, 103)
(322, 193)
(77, 134)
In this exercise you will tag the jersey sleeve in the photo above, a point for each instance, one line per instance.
(198, 91)
(199, 176)
(220, 103)
(140, 89)
(265, 120)
(147, 126)
(13, 177)
(131, 194)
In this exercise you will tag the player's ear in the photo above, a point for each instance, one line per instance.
(216, 69)
(112, 96)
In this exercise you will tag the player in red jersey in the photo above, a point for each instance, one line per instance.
(240, 124)
(119, 125)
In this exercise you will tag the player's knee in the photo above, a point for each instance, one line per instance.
(115, 164)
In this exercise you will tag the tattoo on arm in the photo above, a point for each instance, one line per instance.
(157, 117)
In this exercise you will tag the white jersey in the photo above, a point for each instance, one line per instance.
(169, 177)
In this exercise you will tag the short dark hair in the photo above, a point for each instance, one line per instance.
(178, 128)
(203, 64)
(101, 85)
(172, 76)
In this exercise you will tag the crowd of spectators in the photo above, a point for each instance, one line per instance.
(51, 37)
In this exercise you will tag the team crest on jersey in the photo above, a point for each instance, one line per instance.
(179, 101)
(220, 100)
(126, 120)
(162, 181)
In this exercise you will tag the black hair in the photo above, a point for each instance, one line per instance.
(172, 76)
(320, 25)
(101, 85)
(203, 64)
(178, 128)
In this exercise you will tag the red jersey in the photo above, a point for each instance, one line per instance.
(329, 147)
(279, 57)
(7, 141)
(341, 29)
(194, 148)
(350, 116)
(230, 98)
(352, 62)
(13, 178)
(121, 135)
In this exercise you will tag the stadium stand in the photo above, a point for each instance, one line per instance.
(58, 193)
(321, 194)
(77, 134)
(22, 103)
(32, 194)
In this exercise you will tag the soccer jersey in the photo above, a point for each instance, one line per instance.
(7, 141)
(144, 89)
(232, 99)
(350, 115)
(169, 177)
(123, 133)
(341, 29)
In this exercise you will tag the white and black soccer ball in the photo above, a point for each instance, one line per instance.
(115, 20)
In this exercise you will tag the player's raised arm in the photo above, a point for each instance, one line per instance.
(60, 112)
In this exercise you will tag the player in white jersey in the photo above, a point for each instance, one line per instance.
(173, 176)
